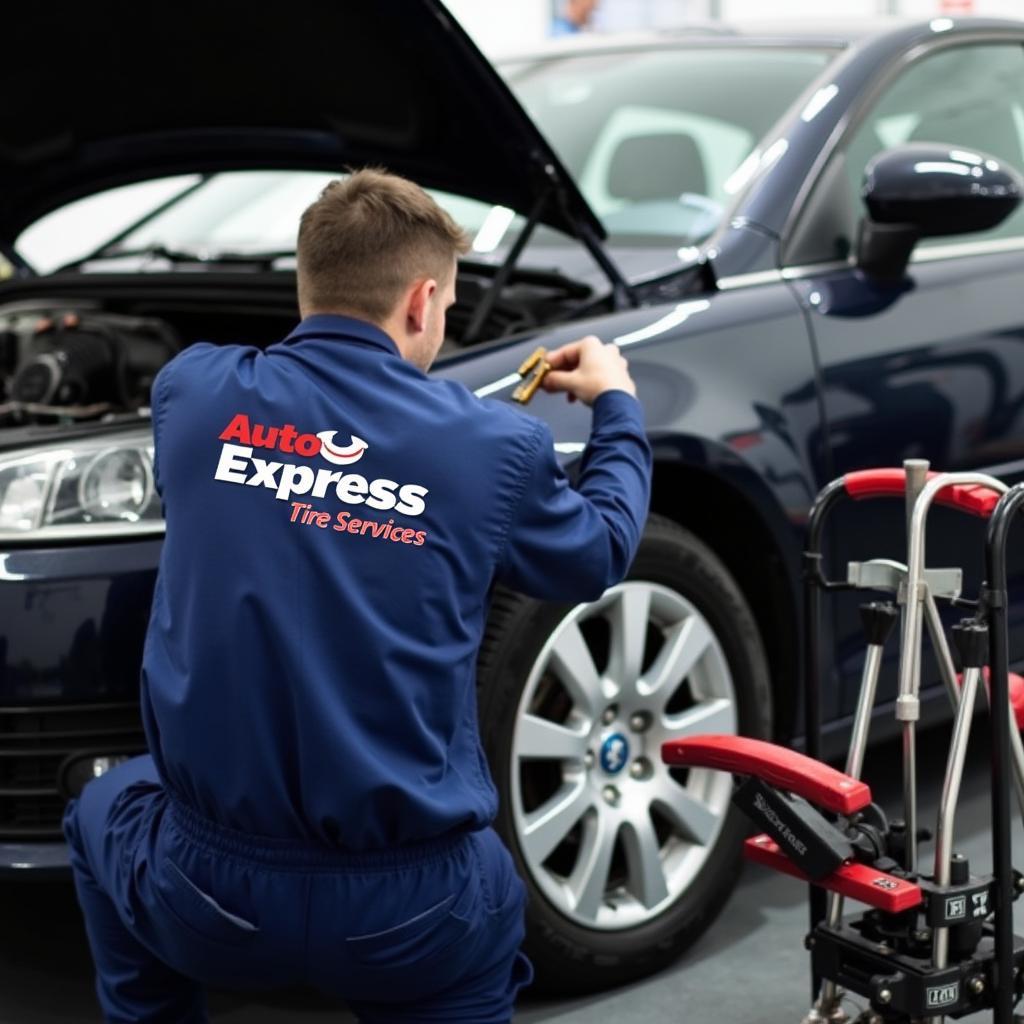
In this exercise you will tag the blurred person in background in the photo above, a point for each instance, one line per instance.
(575, 16)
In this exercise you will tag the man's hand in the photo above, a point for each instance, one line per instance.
(587, 368)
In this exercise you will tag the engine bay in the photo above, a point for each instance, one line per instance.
(92, 354)
(75, 364)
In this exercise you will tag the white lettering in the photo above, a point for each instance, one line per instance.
(324, 479)
(286, 479)
(264, 475)
(411, 501)
(352, 489)
(294, 480)
(382, 494)
(232, 463)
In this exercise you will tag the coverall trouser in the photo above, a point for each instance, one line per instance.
(173, 903)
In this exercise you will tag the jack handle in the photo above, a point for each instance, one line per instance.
(788, 770)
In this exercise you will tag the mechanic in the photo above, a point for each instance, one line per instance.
(316, 806)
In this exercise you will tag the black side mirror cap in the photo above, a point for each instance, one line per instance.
(927, 190)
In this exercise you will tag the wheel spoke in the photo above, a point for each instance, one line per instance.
(629, 619)
(574, 665)
(589, 879)
(540, 738)
(546, 827)
(684, 646)
(643, 855)
(710, 716)
(690, 817)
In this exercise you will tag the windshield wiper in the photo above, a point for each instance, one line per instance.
(177, 256)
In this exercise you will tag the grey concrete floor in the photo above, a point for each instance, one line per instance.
(750, 968)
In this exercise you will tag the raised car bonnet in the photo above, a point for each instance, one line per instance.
(108, 92)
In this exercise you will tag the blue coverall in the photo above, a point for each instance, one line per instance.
(316, 809)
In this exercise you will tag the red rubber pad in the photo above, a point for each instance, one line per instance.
(1016, 694)
(795, 773)
(855, 881)
(881, 483)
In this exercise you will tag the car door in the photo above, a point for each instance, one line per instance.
(931, 367)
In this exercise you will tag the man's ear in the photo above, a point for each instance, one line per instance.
(418, 305)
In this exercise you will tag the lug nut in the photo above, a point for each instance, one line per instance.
(638, 769)
(611, 795)
(588, 759)
(884, 996)
(609, 715)
(976, 985)
(640, 721)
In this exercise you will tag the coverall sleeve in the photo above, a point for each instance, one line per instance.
(158, 411)
(571, 544)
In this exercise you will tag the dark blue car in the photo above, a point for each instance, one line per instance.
(699, 198)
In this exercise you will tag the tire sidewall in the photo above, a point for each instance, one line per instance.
(566, 954)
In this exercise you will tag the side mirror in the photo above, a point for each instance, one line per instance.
(927, 189)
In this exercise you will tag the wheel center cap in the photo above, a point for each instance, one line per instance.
(614, 753)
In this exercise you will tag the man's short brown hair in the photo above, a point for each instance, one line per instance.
(366, 239)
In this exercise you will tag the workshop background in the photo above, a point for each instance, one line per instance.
(505, 26)
(750, 967)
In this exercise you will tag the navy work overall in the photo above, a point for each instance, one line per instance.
(316, 809)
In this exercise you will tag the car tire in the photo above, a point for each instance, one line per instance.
(574, 752)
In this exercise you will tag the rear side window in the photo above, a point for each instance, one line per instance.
(970, 97)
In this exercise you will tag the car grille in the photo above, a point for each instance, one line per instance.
(35, 742)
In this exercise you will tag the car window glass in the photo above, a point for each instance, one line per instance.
(971, 97)
(654, 137)
(75, 230)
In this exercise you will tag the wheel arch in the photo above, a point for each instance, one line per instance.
(743, 523)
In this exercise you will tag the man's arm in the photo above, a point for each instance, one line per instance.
(572, 544)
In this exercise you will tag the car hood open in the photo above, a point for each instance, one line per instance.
(104, 93)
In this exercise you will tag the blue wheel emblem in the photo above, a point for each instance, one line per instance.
(614, 753)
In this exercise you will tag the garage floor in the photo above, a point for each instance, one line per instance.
(45, 973)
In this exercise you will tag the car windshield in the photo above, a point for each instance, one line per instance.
(653, 137)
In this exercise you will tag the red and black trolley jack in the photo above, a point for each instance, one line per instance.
(933, 943)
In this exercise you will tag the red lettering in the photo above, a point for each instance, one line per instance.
(421, 536)
(264, 437)
(307, 444)
(322, 519)
(297, 507)
(353, 527)
(237, 430)
(288, 435)
(342, 522)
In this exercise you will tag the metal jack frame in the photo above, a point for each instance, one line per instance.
(933, 945)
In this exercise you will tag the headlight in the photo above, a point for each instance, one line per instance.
(100, 487)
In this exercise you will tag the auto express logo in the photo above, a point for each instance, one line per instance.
(301, 475)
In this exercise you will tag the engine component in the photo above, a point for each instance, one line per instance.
(84, 364)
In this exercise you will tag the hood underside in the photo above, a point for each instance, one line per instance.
(108, 92)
